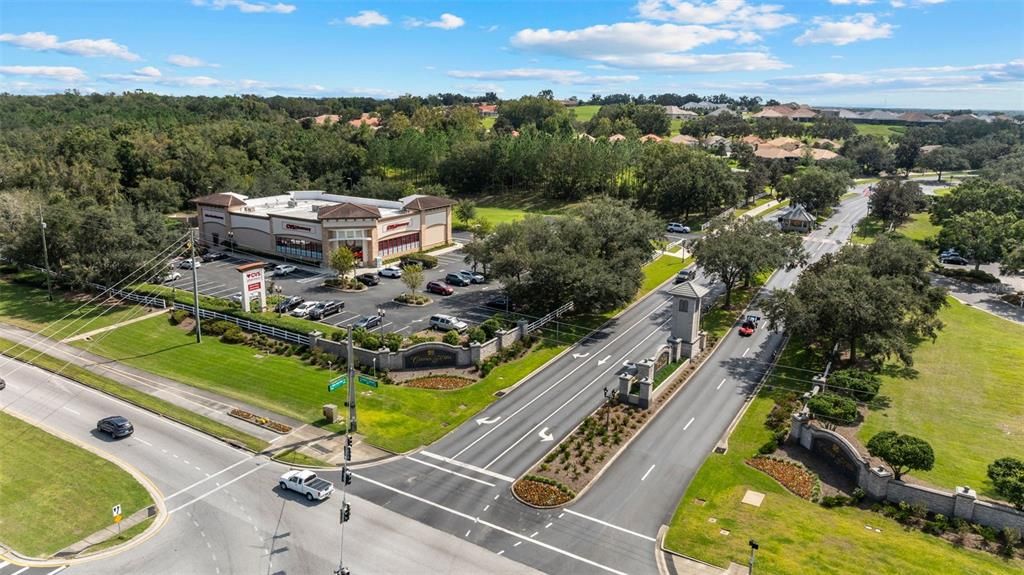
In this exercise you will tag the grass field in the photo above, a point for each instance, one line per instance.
(659, 270)
(585, 113)
(46, 507)
(965, 397)
(879, 130)
(795, 535)
(392, 417)
(505, 208)
(918, 228)
(27, 307)
(487, 123)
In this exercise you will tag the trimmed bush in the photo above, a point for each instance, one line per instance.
(177, 316)
(833, 408)
(452, 337)
(478, 335)
(856, 383)
(393, 341)
(217, 327)
(234, 334)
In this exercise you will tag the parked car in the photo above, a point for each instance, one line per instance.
(677, 228)
(472, 276)
(269, 266)
(439, 288)
(447, 323)
(390, 272)
(306, 483)
(501, 302)
(954, 259)
(326, 308)
(684, 276)
(367, 322)
(189, 264)
(283, 270)
(116, 426)
(303, 309)
(749, 325)
(288, 304)
(368, 279)
(236, 297)
(214, 256)
(456, 280)
(170, 277)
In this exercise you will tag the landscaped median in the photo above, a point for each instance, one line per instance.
(145, 401)
(54, 494)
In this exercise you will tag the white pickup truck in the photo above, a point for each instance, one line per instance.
(308, 484)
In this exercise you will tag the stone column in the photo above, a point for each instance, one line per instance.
(645, 393)
(645, 369)
(624, 381)
(474, 352)
(876, 482)
(521, 324)
(963, 502)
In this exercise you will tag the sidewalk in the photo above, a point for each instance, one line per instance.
(89, 334)
(982, 296)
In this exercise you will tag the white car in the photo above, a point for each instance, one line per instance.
(171, 276)
(447, 323)
(283, 270)
(473, 277)
(304, 308)
(236, 297)
(676, 227)
(189, 264)
(306, 483)
(390, 272)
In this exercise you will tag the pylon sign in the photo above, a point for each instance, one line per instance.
(254, 287)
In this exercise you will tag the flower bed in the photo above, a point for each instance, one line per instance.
(254, 419)
(413, 299)
(443, 382)
(542, 492)
(791, 475)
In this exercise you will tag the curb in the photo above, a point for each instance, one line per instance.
(155, 494)
(661, 550)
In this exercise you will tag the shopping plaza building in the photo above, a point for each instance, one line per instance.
(306, 225)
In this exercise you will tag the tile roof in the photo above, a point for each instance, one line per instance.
(221, 200)
(797, 213)
(419, 202)
(684, 139)
(650, 138)
(347, 210)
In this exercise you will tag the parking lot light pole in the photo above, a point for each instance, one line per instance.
(381, 313)
(46, 257)
(231, 243)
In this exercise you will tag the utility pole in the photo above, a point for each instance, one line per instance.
(46, 256)
(346, 473)
(195, 285)
(352, 427)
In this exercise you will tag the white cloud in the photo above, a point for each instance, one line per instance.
(43, 42)
(366, 19)
(851, 29)
(491, 28)
(729, 62)
(914, 3)
(479, 89)
(848, 2)
(182, 61)
(937, 78)
(63, 73)
(445, 22)
(247, 7)
(728, 13)
(543, 74)
(148, 71)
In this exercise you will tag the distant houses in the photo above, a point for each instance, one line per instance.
(677, 113)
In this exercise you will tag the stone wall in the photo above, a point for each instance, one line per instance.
(878, 483)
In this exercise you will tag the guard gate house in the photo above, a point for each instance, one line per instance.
(307, 225)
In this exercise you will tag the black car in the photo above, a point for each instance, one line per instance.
(456, 280)
(368, 279)
(367, 322)
(214, 256)
(268, 266)
(955, 260)
(501, 302)
(326, 308)
(288, 304)
(116, 426)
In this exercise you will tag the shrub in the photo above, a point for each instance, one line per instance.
(856, 383)
(233, 335)
(1011, 538)
(452, 338)
(217, 327)
(830, 501)
(971, 275)
(491, 327)
(1007, 475)
(901, 452)
(769, 447)
(371, 341)
(426, 261)
(833, 408)
(393, 341)
(478, 335)
(177, 316)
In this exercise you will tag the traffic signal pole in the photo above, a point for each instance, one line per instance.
(346, 473)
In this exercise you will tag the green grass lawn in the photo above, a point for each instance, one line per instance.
(918, 228)
(392, 417)
(505, 208)
(27, 307)
(660, 270)
(879, 130)
(795, 535)
(965, 398)
(487, 123)
(585, 113)
(46, 507)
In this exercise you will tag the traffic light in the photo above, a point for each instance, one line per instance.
(346, 512)
(348, 448)
(346, 476)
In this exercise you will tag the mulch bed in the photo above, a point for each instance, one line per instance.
(254, 419)
(540, 494)
(792, 476)
(442, 382)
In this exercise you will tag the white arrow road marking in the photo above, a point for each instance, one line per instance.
(602, 361)
(488, 420)
(545, 436)
(580, 355)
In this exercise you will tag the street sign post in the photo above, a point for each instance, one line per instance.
(367, 380)
(116, 512)
(337, 383)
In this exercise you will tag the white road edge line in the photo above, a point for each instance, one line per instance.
(71, 410)
(180, 491)
(505, 478)
(493, 526)
(555, 384)
(57, 570)
(420, 461)
(648, 472)
(687, 426)
(142, 441)
(211, 492)
(606, 524)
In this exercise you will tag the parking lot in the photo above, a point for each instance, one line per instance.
(220, 279)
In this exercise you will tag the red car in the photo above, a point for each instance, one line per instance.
(748, 326)
(439, 288)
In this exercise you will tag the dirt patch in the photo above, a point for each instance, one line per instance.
(442, 382)
(187, 325)
(793, 476)
(542, 494)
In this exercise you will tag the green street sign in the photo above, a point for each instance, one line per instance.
(366, 380)
(337, 383)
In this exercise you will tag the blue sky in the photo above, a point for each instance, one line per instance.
(897, 53)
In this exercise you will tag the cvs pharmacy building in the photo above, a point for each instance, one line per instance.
(307, 225)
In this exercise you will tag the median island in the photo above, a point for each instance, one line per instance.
(48, 507)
